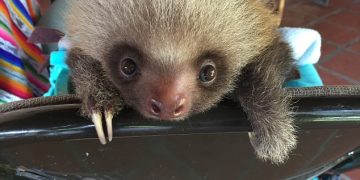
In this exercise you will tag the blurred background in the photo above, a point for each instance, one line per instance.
(339, 25)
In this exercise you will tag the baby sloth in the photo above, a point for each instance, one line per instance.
(169, 59)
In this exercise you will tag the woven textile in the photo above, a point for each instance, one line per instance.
(20, 60)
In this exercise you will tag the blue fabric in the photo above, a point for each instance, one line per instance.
(59, 74)
(309, 77)
(10, 58)
(306, 50)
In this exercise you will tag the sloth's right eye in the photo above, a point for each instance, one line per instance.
(128, 67)
(207, 73)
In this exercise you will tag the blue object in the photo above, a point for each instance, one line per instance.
(59, 74)
(306, 50)
(309, 77)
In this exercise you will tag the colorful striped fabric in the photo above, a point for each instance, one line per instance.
(19, 59)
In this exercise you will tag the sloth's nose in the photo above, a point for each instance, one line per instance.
(169, 107)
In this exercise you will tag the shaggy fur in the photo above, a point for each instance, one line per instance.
(92, 85)
(171, 37)
(260, 94)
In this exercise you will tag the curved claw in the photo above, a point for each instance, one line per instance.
(108, 119)
(97, 120)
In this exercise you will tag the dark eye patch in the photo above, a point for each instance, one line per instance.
(124, 62)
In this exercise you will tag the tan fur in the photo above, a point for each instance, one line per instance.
(172, 36)
(172, 30)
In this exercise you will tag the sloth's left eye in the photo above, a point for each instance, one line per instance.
(128, 67)
(207, 73)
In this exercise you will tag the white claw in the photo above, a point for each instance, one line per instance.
(108, 119)
(96, 119)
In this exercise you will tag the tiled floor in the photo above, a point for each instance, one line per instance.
(339, 26)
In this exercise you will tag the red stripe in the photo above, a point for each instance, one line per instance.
(36, 82)
(15, 91)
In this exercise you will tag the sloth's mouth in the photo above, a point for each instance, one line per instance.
(164, 118)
